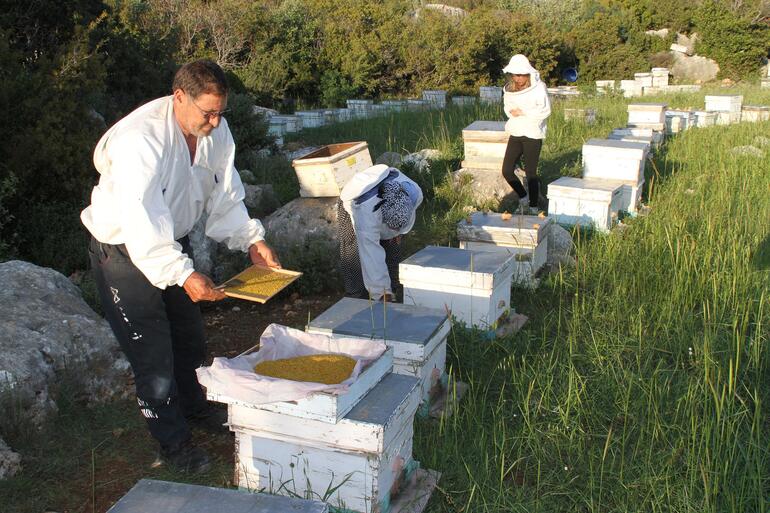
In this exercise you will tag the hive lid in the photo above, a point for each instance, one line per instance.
(485, 126)
(383, 401)
(455, 259)
(655, 107)
(374, 319)
(154, 495)
(615, 148)
(513, 231)
(587, 189)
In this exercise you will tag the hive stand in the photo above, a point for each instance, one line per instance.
(150, 495)
(417, 335)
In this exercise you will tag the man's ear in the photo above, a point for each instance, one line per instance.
(179, 95)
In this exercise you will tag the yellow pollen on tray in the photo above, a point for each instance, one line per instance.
(330, 369)
(260, 282)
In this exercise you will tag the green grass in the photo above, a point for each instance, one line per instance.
(639, 383)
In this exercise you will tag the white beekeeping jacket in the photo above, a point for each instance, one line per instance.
(369, 228)
(536, 107)
(149, 195)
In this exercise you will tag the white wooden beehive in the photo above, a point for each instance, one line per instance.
(463, 100)
(324, 172)
(475, 286)
(705, 118)
(660, 77)
(311, 118)
(679, 121)
(344, 114)
(755, 113)
(277, 126)
(325, 407)
(354, 464)
(417, 104)
(605, 85)
(615, 160)
(643, 79)
(724, 103)
(647, 115)
(485, 143)
(395, 105)
(525, 238)
(587, 116)
(436, 97)
(359, 104)
(417, 335)
(728, 118)
(630, 88)
(642, 135)
(585, 201)
(293, 123)
(491, 94)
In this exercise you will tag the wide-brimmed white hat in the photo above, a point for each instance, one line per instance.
(519, 65)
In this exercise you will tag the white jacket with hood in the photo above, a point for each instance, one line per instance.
(369, 228)
(149, 195)
(532, 101)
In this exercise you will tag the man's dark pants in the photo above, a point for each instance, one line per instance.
(161, 333)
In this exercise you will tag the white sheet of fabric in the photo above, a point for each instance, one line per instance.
(532, 101)
(369, 228)
(235, 377)
(149, 195)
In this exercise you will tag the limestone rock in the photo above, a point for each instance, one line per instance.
(420, 160)
(560, 247)
(485, 185)
(10, 462)
(47, 333)
(390, 158)
(293, 225)
(761, 141)
(662, 33)
(689, 69)
(748, 151)
(260, 200)
(246, 176)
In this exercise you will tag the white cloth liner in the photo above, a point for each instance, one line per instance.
(235, 377)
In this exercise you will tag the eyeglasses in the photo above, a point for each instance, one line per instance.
(208, 114)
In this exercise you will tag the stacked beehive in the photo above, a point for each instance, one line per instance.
(630, 88)
(475, 286)
(617, 162)
(660, 77)
(645, 135)
(417, 335)
(647, 115)
(484, 143)
(524, 237)
(679, 120)
(727, 107)
(324, 172)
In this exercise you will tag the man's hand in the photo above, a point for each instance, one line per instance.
(262, 254)
(200, 288)
(516, 112)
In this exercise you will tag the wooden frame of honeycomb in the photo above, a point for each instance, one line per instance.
(258, 283)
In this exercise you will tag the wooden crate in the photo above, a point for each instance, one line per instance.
(417, 335)
(324, 172)
(585, 201)
(152, 495)
(322, 406)
(615, 160)
(484, 143)
(475, 286)
(354, 464)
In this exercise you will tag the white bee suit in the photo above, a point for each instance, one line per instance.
(149, 195)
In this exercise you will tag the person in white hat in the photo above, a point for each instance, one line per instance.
(376, 207)
(526, 103)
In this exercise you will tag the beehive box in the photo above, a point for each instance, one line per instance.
(163, 496)
(359, 104)
(728, 118)
(765, 84)
(293, 123)
(325, 407)
(588, 116)
(463, 100)
(643, 79)
(755, 113)
(647, 115)
(344, 114)
(475, 286)
(484, 143)
(324, 172)
(525, 238)
(605, 85)
(395, 105)
(311, 118)
(354, 464)
(436, 98)
(585, 201)
(615, 160)
(630, 88)
(331, 116)
(724, 103)
(679, 121)
(705, 118)
(277, 126)
(490, 94)
(660, 77)
(683, 88)
(416, 334)
(643, 135)
(416, 104)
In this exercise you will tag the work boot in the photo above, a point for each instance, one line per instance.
(186, 458)
(211, 419)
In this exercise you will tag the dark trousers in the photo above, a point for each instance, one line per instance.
(350, 262)
(530, 150)
(161, 334)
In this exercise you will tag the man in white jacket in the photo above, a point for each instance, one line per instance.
(161, 166)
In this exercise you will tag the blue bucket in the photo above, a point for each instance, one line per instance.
(569, 74)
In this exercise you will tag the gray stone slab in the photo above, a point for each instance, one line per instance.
(367, 319)
(152, 495)
(457, 259)
(381, 403)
